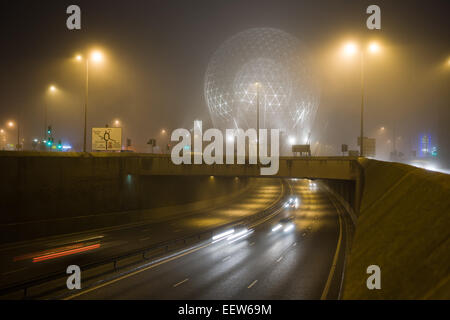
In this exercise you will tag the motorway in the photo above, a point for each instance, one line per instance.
(263, 262)
(31, 259)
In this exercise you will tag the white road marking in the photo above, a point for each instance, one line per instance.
(181, 282)
(279, 259)
(178, 230)
(252, 284)
(225, 259)
(251, 244)
(149, 266)
(143, 239)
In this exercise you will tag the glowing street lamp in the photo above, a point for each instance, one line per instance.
(257, 85)
(96, 57)
(374, 47)
(52, 90)
(350, 49)
(11, 124)
(291, 140)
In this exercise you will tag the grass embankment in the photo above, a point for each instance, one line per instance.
(403, 227)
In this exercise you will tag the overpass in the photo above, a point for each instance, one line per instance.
(342, 174)
(341, 168)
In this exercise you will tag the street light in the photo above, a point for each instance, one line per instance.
(11, 124)
(374, 47)
(257, 85)
(51, 90)
(350, 49)
(95, 56)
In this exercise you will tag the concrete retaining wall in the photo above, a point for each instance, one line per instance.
(403, 227)
(55, 193)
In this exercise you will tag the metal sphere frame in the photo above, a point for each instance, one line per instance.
(280, 65)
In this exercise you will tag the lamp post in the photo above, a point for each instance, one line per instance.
(351, 49)
(361, 150)
(86, 104)
(11, 125)
(257, 120)
(52, 90)
(96, 56)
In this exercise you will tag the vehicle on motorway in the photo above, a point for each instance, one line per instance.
(291, 203)
(285, 224)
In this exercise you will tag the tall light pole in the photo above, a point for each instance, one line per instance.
(257, 120)
(349, 50)
(96, 56)
(52, 90)
(3, 139)
(361, 150)
(11, 125)
(86, 104)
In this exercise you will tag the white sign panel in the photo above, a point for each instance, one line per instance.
(106, 139)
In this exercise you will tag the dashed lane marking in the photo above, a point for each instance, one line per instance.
(252, 284)
(181, 282)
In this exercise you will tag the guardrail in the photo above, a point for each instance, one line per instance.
(262, 215)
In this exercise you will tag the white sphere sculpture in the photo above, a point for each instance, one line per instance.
(276, 63)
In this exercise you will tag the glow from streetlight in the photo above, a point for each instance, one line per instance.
(163, 131)
(374, 47)
(10, 124)
(52, 88)
(291, 140)
(116, 122)
(2, 131)
(78, 57)
(97, 56)
(350, 49)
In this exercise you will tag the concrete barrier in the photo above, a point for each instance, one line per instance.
(403, 227)
(44, 194)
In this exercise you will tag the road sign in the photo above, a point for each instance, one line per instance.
(106, 139)
(301, 149)
(369, 146)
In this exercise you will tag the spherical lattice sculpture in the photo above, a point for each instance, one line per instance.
(272, 65)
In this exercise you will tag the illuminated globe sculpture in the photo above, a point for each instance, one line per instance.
(269, 63)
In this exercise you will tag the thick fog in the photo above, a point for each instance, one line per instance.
(156, 54)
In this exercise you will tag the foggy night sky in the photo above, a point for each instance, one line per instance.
(157, 53)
